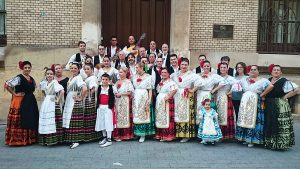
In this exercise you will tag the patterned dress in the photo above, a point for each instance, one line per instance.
(184, 105)
(123, 111)
(50, 120)
(143, 116)
(225, 107)
(164, 112)
(250, 123)
(73, 114)
(22, 120)
(90, 112)
(209, 129)
(279, 132)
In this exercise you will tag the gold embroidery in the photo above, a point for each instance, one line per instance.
(162, 114)
(222, 106)
(122, 107)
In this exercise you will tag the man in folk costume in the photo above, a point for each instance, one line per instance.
(131, 48)
(231, 71)
(165, 55)
(153, 49)
(174, 68)
(155, 72)
(98, 59)
(78, 57)
(113, 49)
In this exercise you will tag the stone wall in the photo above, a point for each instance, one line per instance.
(243, 14)
(43, 23)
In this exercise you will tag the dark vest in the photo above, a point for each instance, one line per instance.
(28, 109)
(111, 97)
(108, 50)
(96, 60)
(156, 50)
(230, 72)
(277, 91)
(118, 63)
(157, 75)
(198, 69)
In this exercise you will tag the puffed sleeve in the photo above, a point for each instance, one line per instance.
(199, 82)
(235, 85)
(217, 79)
(13, 82)
(289, 86)
(130, 87)
(43, 85)
(58, 87)
(201, 112)
(114, 89)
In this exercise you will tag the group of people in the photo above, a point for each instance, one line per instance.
(132, 92)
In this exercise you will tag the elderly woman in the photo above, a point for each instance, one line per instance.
(23, 116)
(279, 132)
(250, 123)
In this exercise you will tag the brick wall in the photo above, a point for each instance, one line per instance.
(243, 14)
(43, 23)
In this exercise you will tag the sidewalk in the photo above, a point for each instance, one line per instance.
(150, 154)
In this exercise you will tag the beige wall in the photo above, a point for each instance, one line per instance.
(243, 14)
(43, 23)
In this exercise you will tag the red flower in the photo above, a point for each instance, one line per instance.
(161, 84)
(53, 67)
(138, 80)
(270, 68)
(251, 81)
(21, 65)
(119, 85)
(204, 75)
(186, 92)
(219, 65)
(248, 68)
(179, 79)
(179, 61)
(201, 63)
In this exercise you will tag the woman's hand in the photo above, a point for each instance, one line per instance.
(19, 94)
(118, 95)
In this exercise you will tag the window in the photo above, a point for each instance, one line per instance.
(279, 26)
(2, 23)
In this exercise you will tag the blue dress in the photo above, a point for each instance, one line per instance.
(209, 129)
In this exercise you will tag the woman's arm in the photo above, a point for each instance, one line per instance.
(171, 94)
(267, 90)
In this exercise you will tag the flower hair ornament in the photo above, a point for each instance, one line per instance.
(21, 65)
(270, 68)
(53, 67)
(204, 101)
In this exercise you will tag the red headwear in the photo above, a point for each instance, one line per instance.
(203, 102)
(53, 67)
(270, 68)
(219, 65)
(201, 63)
(248, 68)
(21, 65)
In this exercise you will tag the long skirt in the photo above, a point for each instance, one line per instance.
(168, 134)
(54, 138)
(125, 133)
(145, 129)
(90, 115)
(75, 132)
(279, 132)
(228, 131)
(188, 130)
(255, 135)
(14, 134)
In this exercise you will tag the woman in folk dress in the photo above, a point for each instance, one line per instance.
(224, 103)
(279, 132)
(62, 80)
(123, 109)
(207, 84)
(111, 71)
(250, 123)
(143, 115)
(184, 102)
(50, 120)
(90, 112)
(73, 114)
(164, 109)
(23, 116)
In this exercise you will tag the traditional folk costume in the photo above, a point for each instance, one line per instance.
(184, 105)
(90, 112)
(143, 115)
(209, 129)
(250, 123)
(279, 132)
(237, 96)
(105, 117)
(205, 85)
(225, 108)
(23, 116)
(73, 114)
(50, 120)
(164, 112)
(112, 72)
(123, 111)
(64, 83)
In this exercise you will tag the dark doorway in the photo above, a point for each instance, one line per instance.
(134, 17)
